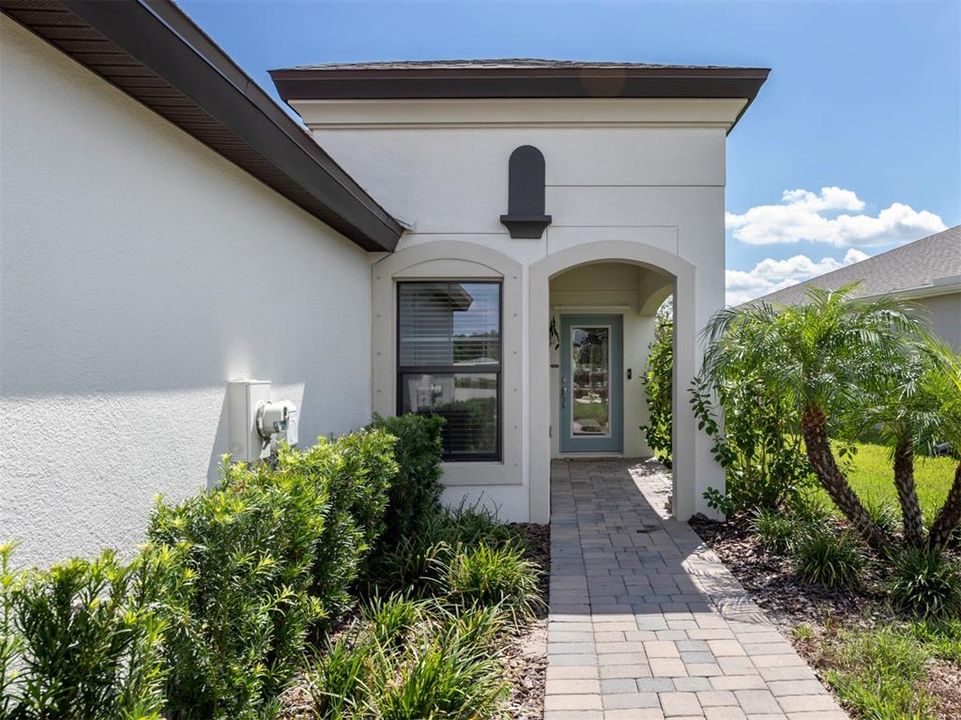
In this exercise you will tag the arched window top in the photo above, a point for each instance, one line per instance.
(525, 216)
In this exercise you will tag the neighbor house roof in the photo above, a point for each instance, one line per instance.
(922, 267)
(516, 78)
(153, 52)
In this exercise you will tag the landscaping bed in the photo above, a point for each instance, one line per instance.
(880, 664)
(328, 584)
(526, 653)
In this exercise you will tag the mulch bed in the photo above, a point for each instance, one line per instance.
(526, 655)
(771, 583)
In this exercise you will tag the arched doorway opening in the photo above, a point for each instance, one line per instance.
(589, 294)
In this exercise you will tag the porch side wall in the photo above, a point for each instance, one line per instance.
(614, 175)
(139, 272)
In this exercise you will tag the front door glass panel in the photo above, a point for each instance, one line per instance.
(590, 382)
(591, 388)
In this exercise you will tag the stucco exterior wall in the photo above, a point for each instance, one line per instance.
(944, 314)
(643, 178)
(138, 272)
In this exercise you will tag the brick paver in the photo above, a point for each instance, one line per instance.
(646, 622)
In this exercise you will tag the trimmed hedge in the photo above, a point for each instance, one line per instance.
(414, 496)
(210, 620)
(82, 639)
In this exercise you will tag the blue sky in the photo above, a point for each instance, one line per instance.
(864, 98)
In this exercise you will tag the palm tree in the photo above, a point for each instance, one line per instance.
(816, 356)
(899, 402)
(946, 385)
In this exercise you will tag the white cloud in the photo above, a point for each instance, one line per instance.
(825, 217)
(770, 274)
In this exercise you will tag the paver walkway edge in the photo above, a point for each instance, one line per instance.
(645, 621)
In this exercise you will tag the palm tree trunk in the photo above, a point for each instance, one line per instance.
(948, 516)
(814, 430)
(907, 492)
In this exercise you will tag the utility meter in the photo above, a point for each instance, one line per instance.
(277, 422)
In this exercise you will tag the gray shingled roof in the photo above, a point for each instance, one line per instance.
(492, 63)
(923, 263)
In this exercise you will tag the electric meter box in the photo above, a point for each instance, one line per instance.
(244, 400)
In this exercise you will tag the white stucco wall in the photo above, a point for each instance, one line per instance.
(641, 178)
(138, 272)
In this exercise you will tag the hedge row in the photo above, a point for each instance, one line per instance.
(211, 619)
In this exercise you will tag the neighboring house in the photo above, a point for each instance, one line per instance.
(926, 272)
(489, 241)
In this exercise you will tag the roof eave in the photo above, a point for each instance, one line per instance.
(248, 128)
(520, 83)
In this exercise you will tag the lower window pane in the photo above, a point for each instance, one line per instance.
(467, 401)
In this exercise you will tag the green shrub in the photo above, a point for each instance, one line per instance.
(415, 492)
(264, 558)
(831, 560)
(240, 608)
(926, 583)
(84, 639)
(11, 643)
(777, 533)
(760, 445)
(356, 472)
(658, 389)
(485, 576)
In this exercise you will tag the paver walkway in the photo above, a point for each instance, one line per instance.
(646, 622)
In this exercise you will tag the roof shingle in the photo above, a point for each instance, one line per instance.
(923, 263)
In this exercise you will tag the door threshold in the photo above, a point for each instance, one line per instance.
(587, 455)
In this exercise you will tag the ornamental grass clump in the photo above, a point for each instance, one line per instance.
(441, 666)
(444, 676)
(392, 620)
(831, 560)
(777, 533)
(926, 583)
(885, 516)
(484, 576)
(344, 676)
(417, 563)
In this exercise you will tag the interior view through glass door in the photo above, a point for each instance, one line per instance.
(591, 400)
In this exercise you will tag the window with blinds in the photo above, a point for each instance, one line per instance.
(449, 361)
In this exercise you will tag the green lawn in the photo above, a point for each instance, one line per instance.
(871, 477)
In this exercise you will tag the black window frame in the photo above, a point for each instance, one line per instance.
(496, 370)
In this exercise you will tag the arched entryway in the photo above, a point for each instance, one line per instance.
(693, 470)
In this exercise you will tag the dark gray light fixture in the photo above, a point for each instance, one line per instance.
(525, 216)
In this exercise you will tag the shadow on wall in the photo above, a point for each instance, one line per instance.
(218, 447)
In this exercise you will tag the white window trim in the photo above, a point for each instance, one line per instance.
(465, 261)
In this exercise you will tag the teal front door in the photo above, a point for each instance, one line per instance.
(591, 402)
